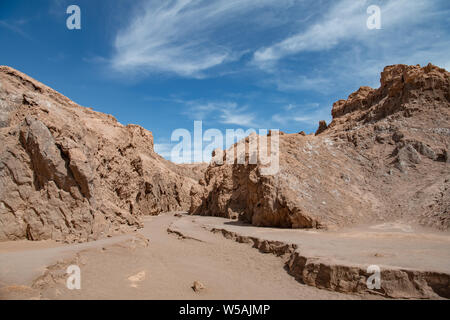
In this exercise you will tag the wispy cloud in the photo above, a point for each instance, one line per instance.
(223, 112)
(15, 26)
(236, 118)
(306, 116)
(338, 53)
(345, 21)
(191, 38)
(185, 37)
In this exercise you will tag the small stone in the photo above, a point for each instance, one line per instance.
(139, 277)
(197, 286)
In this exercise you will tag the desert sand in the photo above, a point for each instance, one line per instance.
(174, 250)
(166, 268)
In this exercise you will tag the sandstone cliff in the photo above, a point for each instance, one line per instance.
(72, 174)
(384, 157)
(69, 173)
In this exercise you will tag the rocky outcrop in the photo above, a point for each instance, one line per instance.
(322, 127)
(344, 277)
(72, 174)
(69, 173)
(316, 187)
(383, 157)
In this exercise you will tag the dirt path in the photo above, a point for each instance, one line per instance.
(165, 269)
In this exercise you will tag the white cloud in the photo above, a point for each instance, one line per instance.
(238, 117)
(223, 112)
(345, 21)
(337, 53)
(329, 51)
(180, 36)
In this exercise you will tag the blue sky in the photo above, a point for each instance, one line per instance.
(231, 63)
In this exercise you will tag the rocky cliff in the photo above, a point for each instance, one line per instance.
(69, 173)
(384, 157)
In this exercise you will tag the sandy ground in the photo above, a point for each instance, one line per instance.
(393, 245)
(165, 269)
(182, 249)
(23, 261)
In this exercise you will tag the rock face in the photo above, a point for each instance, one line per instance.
(384, 157)
(72, 174)
(69, 173)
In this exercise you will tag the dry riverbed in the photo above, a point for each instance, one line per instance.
(173, 257)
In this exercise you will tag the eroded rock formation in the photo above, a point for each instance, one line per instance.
(69, 173)
(72, 174)
(385, 156)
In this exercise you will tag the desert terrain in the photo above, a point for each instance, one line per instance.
(163, 268)
(372, 188)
